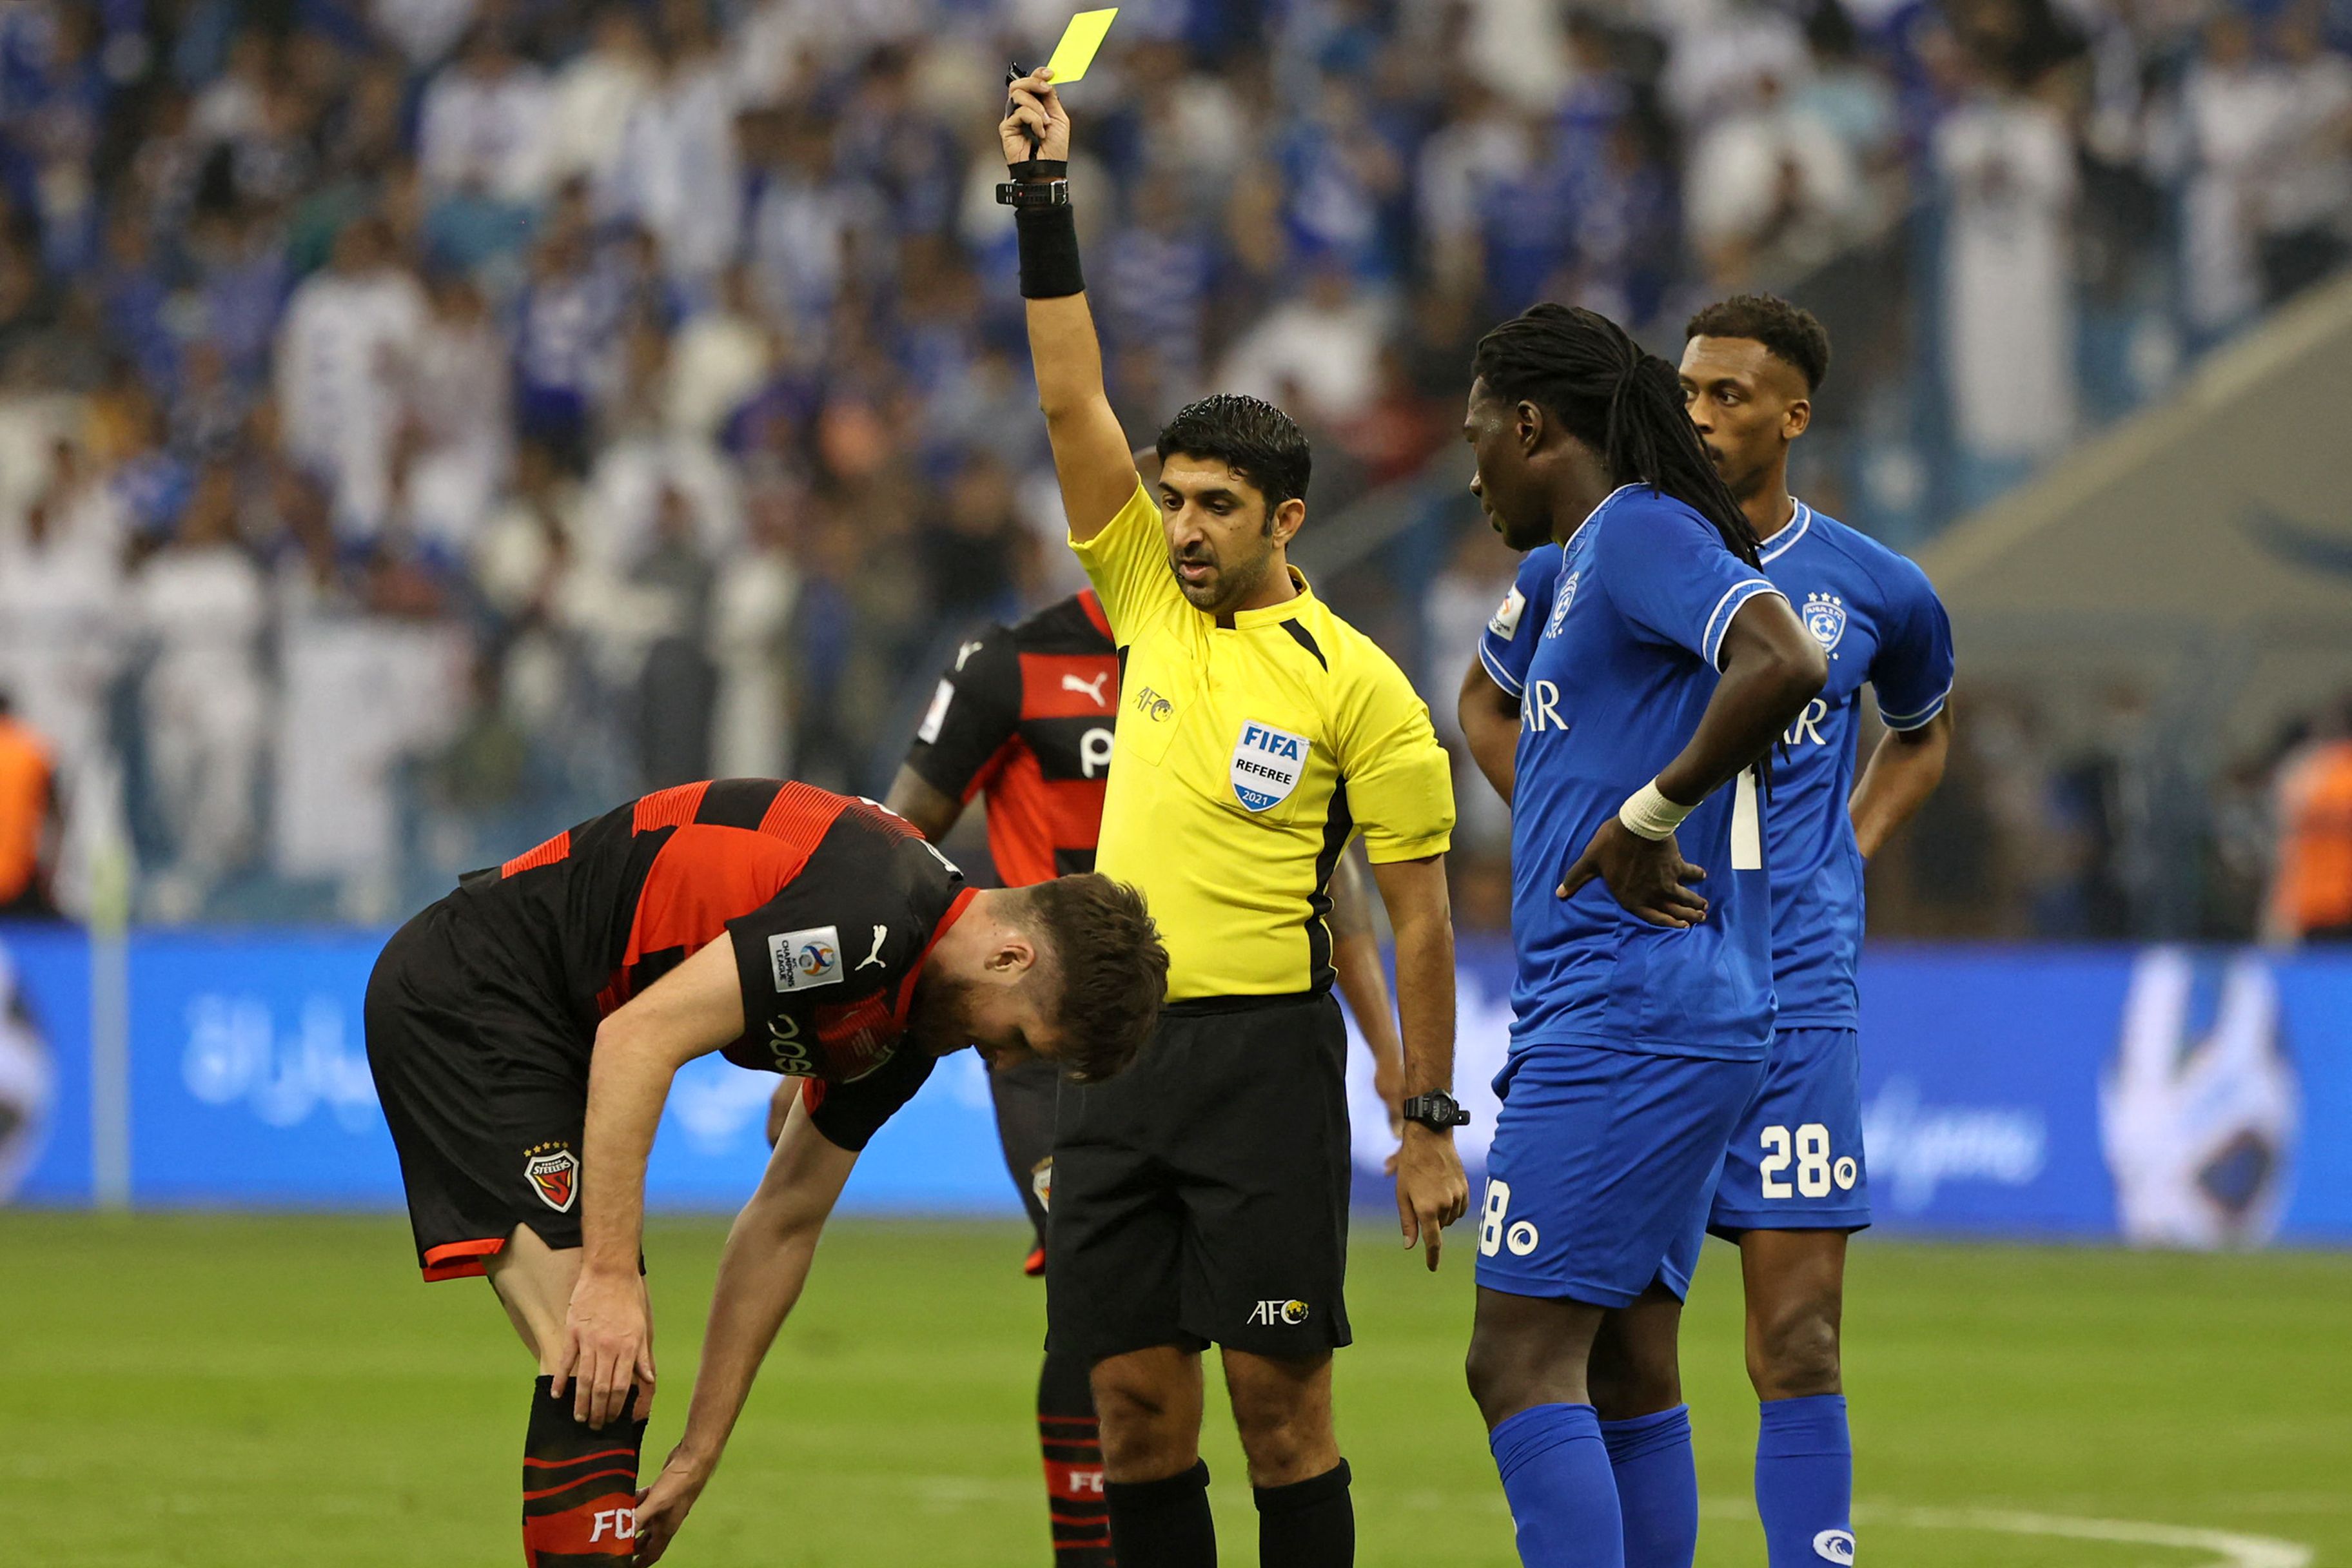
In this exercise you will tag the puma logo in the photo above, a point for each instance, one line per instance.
(881, 935)
(1093, 689)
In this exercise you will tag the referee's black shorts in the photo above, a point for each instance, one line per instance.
(485, 1088)
(1201, 1197)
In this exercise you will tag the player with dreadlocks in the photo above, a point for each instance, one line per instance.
(1666, 664)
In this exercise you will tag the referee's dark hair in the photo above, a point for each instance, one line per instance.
(1111, 967)
(1249, 435)
(1790, 333)
(1624, 404)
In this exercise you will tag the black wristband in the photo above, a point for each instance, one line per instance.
(1040, 169)
(1049, 253)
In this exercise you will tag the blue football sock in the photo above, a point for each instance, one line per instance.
(1658, 1486)
(1804, 1481)
(1556, 1474)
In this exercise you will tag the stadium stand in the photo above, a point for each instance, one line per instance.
(422, 420)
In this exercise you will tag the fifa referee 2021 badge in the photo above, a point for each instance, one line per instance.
(1257, 735)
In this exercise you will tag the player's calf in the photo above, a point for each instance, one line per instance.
(579, 1483)
(1637, 1379)
(1804, 1451)
(1282, 1408)
(1636, 1367)
(1794, 1282)
(1526, 1368)
(1157, 1487)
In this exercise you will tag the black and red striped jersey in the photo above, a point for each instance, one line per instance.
(832, 904)
(1026, 718)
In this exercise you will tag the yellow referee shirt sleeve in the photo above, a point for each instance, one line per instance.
(1128, 563)
(1400, 783)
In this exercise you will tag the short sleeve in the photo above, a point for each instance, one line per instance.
(1127, 563)
(824, 964)
(1509, 641)
(975, 709)
(1399, 780)
(1669, 574)
(1912, 672)
(849, 1114)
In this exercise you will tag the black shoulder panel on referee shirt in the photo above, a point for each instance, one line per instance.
(1306, 639)
(1337, 829)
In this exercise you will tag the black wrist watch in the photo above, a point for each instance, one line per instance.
(1435, 1110)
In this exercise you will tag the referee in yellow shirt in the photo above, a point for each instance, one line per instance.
(1202, 1197)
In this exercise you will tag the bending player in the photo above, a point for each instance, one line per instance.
(1795, 1181)
(1664, 666)
(523, 1033)
(1025, 717)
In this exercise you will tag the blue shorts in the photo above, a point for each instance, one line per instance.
(1601, 1167)
(1796, 1162)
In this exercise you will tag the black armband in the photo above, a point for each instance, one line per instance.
(1049, 252)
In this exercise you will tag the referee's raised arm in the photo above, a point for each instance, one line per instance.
(1091, 456)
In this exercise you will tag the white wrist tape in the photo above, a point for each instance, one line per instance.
(1647, 813)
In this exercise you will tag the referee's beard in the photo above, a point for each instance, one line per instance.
(1215, 587)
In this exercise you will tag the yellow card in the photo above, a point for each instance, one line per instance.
(1079, 41)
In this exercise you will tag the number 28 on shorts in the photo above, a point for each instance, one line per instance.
(1818, 1170)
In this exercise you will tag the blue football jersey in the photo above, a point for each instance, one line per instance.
(1878, 620)
(1620, 629)
(1881, 624)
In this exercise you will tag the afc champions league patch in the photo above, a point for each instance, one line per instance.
(1267, 764)
(554, 1172)
(1506, 623)
(1824, 617)
(802, 959)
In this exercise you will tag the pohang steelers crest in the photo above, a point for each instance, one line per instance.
(554, 1170)
(1267, 765)
(1825, 618)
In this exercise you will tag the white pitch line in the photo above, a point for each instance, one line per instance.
(2234, 1551)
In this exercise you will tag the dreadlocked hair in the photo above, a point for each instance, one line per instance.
(1622, 403)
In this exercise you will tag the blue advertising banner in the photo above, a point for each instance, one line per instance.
(2166, 1096)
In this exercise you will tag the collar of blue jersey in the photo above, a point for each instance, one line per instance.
(1274, 615)
(1778, 545)
(1613, 495)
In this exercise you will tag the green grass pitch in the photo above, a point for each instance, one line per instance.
(226, 1392)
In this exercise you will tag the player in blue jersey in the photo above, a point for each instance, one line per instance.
(1665, 665)
(1794, 1183)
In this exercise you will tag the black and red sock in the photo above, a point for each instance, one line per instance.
(579, 1487)
(1071, 1441)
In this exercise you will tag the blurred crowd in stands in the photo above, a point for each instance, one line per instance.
(422, 422)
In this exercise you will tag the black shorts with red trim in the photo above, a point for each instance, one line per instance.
(484, 1087)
